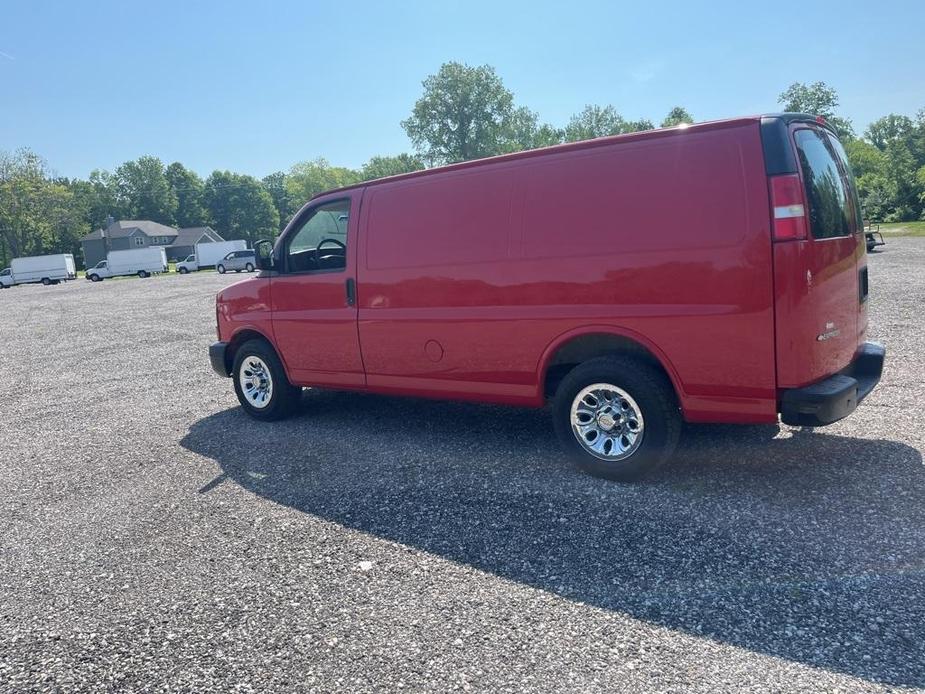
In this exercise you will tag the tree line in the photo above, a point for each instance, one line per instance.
(463, 113)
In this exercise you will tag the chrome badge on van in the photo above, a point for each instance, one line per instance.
(830, 332)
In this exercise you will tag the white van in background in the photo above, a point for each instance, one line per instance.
(47, 269)
(143, 262)
(208, 255)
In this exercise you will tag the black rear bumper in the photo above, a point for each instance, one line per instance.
(217, 357)
(838, 395)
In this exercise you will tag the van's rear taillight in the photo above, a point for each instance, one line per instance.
(787, 207)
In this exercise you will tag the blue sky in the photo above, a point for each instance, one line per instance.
(257, 86)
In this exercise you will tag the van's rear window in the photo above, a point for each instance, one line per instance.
(830, 211)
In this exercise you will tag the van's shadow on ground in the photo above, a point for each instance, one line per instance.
(809, 548)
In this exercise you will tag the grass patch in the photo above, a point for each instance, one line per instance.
(904, 228)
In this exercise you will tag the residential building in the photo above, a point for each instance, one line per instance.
(126, 234)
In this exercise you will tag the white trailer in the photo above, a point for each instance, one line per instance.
(47, 269)
(208, 254)
(143, 262)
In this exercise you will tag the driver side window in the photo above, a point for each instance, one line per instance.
(321, 241)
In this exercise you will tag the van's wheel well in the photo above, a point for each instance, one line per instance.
(581, 349)
(238, 340)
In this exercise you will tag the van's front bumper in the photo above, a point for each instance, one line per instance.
(837, 396)
(217, 352)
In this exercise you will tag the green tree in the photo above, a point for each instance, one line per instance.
(594, 121)
(635, 126)
(547, 135)
(143, 191)
(525, 132)
(382, 166)
(465, 113)
(900, 173)
(920, 180)
(36, 212)
(188, 189)
(816, 99)
(677, 116)
(240, 207)
(887, 164)
(308, 178)
(868, 163)
(275, 185)
(96, 198)
(864, 158)
(891, 128)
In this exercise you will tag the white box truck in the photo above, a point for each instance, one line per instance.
(143, 262)
(47, 269)
(208, 254)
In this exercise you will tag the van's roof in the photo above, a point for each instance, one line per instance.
(675, 131)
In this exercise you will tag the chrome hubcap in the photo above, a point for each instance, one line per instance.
(256, 381)
(607, 422)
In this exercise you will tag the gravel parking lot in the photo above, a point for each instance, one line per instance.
(156, 538)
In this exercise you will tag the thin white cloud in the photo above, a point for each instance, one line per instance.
(7, 56)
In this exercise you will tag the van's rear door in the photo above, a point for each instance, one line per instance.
(820, 307)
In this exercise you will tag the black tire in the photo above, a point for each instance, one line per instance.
(249, 267)
(95, 278)
(46, 281)
(221, 269)
(653, 394)
(142, 274)
(285, 397)
(182, 270)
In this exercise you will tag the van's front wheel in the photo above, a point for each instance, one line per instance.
(260, 382)
(616, 417)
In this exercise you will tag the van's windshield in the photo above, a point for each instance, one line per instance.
(833, 205)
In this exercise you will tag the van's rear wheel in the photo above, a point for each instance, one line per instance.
(142, 274)
(46, 281)
(260, 382)
(616, 417)
(249, 267)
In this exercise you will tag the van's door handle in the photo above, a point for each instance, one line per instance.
(351, 291)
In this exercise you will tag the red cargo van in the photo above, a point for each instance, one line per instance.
(711, 273)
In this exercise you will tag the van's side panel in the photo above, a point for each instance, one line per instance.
(436, 262)
(666, 238)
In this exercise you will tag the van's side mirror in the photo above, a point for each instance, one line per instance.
(263, 254)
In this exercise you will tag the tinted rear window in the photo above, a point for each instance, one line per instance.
(852, 184)
(830, 212)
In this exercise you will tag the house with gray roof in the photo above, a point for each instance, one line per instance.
(127, 234)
